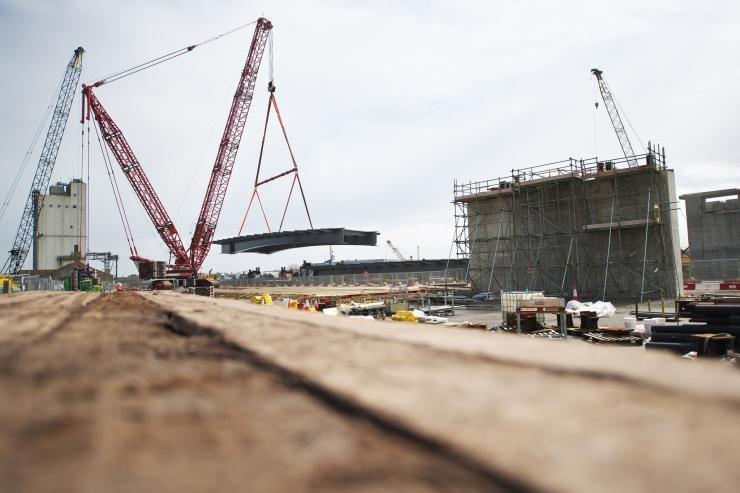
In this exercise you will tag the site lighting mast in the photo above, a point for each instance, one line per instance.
(611, 108)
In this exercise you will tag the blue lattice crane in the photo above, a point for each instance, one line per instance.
(34, 202)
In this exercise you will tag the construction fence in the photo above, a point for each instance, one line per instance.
(37, 283)
(376, 279)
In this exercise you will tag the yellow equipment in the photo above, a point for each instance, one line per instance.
(12, 285)
(404, 316)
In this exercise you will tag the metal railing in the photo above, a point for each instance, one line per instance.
(582, 168)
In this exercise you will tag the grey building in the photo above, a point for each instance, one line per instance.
(605, 227)
(61, 229)
(713, 222)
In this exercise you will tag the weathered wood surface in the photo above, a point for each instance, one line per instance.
(547, 415)
(31, 315)
(114, 400)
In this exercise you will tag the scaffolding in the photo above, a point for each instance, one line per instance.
(603, 226)
(107, 258)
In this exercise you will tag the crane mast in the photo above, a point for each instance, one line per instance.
(611, 108)
(34, 202)
(228, 148)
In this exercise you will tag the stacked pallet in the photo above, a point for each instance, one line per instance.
(712, 331)
(205, 291)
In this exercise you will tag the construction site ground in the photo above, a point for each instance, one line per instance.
(238, 293)
(482, 313)
(158, 391)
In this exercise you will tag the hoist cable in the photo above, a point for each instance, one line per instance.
(272, 77)
(227, 97)
(116, 195)
(634, 132)
(29, 151)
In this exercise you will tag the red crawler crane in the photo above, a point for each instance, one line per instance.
(187, 263)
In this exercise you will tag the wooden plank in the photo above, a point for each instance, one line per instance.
(527, 409)
(28, 316)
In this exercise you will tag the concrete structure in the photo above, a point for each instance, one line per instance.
(607, 228)
(713, 221)
(381, 266)
(61, 229)
(285, 240)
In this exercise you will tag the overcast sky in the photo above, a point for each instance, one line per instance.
(385, 103)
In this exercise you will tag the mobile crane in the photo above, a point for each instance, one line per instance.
(186, 262)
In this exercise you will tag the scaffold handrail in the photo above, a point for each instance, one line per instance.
(578, 168)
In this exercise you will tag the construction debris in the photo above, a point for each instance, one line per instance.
(601, 309)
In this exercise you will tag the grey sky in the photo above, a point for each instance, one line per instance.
(386, 103)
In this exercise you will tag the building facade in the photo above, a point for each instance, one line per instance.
(713, 223)
(61, 228)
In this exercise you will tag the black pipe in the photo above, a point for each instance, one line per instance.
(676, 347)
(721, 310)
(697, 329)
(671, 337)
(716, 320)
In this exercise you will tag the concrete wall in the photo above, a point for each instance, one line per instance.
(673, 230)
(714, 232)
(556, 233)
(62, 224)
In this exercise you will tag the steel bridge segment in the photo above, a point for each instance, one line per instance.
(286, 240)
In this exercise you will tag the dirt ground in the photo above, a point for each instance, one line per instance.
(112, 399)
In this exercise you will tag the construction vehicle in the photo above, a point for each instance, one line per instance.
(611, 108)
(187, 262)
(8, 284)
(47, 160)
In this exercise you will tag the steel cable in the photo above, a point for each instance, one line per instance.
(164, 58)
(29, 152)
